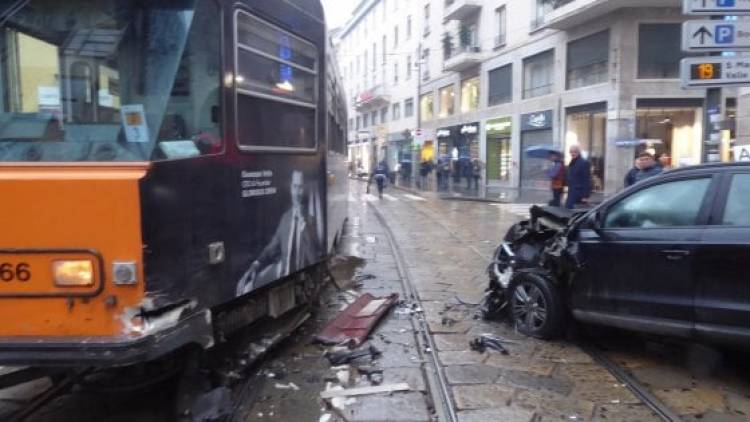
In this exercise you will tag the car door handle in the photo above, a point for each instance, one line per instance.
(675, 254)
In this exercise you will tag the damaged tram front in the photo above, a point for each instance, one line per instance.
(163, 170)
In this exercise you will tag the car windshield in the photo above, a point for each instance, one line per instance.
(88, 81)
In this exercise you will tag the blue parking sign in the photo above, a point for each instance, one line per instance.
(724, 34)
(725, 3)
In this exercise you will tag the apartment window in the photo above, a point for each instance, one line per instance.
(426, 107)
(447, 101)
(396, 111)
(659, 51)
(395, 73)
(470, 94)
(501, 85)
(538, 74)
(395, 5)
(374, 118)
(408, 27)
(374, 56)
(408, 108)
(385, 53)
(358, 123)
(395, 37)
(425, 64)
(384, 115)
(365, 119)
(502, 26)
(588, 61)
(408, 67)
(365, 62)
(426, 19)
(385, 9)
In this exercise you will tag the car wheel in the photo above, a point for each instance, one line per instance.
(536, 306)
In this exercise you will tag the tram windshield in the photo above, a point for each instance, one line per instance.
(108, 80)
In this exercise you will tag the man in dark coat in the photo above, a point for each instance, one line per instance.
(632, 173)
(648, 167)
(578, 178)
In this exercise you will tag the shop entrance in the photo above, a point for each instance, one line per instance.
(676, 126)
(586, 126)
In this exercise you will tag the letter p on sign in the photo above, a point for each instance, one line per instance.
(724, 34)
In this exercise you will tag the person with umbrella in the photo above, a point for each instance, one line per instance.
(556, 174)
(578, 178)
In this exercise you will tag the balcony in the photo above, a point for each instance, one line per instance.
(566, 14)
(372, 99)
(460, 9)
(463, 58)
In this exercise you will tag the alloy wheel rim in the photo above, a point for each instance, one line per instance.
(529, 306)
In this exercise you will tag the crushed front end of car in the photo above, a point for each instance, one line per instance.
(541, 244)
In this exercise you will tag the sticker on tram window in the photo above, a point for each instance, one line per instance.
(134, 123)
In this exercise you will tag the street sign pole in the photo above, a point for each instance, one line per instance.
(713, 112)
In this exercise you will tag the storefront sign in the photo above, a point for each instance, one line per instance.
(499, 127)
(742, 153)
(443, 133)
(469, 129)
(536, 121)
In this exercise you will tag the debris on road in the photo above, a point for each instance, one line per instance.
(213, 405)
(364, 391)
(342, 358)
(355, 323)
(485, 341)
(289, 386)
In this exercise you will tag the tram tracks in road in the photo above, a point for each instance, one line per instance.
(639, 390)
(61, 384)
(436, 379)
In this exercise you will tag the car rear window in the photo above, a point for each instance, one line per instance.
(737, 210)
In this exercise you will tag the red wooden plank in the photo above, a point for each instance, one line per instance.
(355, 323)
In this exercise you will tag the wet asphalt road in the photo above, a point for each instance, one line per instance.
(445, 246)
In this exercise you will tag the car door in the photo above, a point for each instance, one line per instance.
(638, 261)
(722, 296)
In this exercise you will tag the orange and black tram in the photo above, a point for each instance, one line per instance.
(170, 171)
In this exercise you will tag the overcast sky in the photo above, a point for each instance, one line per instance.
(338, 11)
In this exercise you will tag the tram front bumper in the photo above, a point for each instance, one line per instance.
(106, 351)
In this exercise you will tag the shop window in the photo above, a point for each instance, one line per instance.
(659, 51)
(588, 61)
(588, 130)
(408, 108)
(498, 159)
(276, 85)
(672, 130)
(447, 101)
(501, 85)
(538, 74)
(470, 95)
(426, 107)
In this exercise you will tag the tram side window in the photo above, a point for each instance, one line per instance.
(191, 122)
(277, 93)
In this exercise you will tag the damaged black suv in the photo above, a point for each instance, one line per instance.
(666, 256)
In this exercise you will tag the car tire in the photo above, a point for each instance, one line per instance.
(536, 305)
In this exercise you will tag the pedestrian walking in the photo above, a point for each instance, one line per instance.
(425, 168)
(648, 167)
(632, 173)
(556, 174)
(578, 179)
(476, 172)
(380, 174)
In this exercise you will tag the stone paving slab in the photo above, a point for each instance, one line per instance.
(496, 414)
(398, 407)
(482, 396)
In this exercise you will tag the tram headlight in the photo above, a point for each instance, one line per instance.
(73, 273)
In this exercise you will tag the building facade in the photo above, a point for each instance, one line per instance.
(498, 77)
